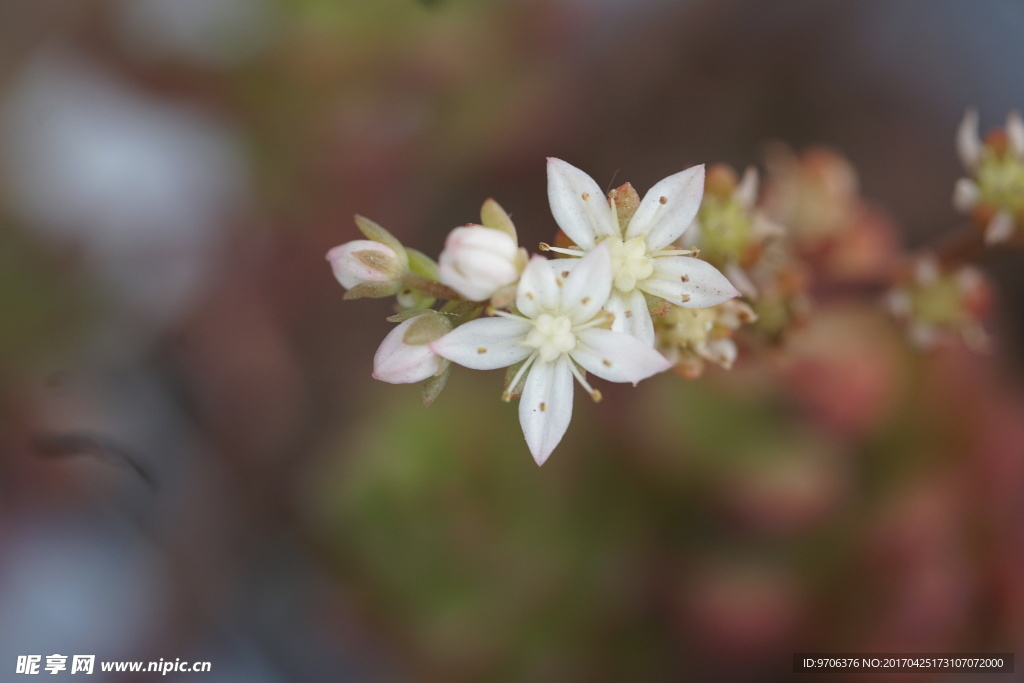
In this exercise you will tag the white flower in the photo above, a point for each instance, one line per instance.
(477, 261)
(367, 265)
(405, 356)
(642, 255)
(560, 326)
(997, 183)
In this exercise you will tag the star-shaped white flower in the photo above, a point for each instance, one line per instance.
(642, 255)
(996, 185)
(560, 325)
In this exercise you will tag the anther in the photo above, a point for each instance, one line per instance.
(663, 200)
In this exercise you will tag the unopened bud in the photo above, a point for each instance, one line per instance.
(477, 261)
(404, 357)
(364, 262)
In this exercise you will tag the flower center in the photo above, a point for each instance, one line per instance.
(630, 262)
(552, 336)
(725, 229)
(1001, 181)
(688, 326)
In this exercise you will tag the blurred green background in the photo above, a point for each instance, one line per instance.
(196, 464)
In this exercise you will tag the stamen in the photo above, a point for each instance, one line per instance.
(602, 318)
(506, 396)
(574, 251)
(675, 251)
(594, 393)
(491, 310)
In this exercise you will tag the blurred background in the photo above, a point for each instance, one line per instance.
(196, 464)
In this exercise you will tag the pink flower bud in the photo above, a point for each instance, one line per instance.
(477, 261)
(405, 357)
(363, 262)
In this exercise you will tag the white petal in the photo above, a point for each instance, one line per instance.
(899, 303)
(476, 280)
(965, 194)
(1000, 228)
(588, 285)
(746, 191)
(1015, 133)
(739, 278)
(617, 357)
(688, 281)
(968, 142)
(538, 287)
(631, 315)
(923, 335)
(350, 271)
(399, 363)
(926, 269)
(485, 344)
(668, 208)
(578, 204)
(545, 408)
(764, 227)
(477, 261)
(721, 351)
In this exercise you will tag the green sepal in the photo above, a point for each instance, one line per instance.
(421, 264)
(463, 311)
(510, 373)
(428, 286)
(373, 290)
(432, 386)
(427, 328)
(656, 305)
(495, 217)
(402, 316)
(380, 262)
(626, 202)
(373, 231)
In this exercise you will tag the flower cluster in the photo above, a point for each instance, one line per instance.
(994, 194)
(625, 298)
(485, 304)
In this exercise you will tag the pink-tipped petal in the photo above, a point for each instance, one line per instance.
(477, 261)
(399, 363)
(350, 271)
